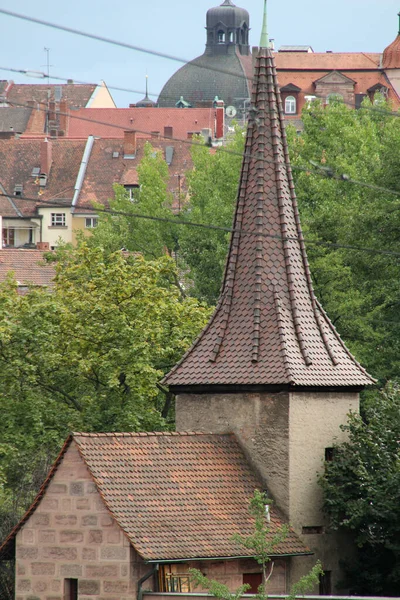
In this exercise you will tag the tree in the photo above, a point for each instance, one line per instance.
(85, 357)
(150, 238)
(213, 185)
(261, 545)
(361, 490)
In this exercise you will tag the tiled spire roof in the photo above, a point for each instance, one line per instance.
(268, 328)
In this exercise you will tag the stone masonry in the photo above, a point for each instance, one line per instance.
(72, 535)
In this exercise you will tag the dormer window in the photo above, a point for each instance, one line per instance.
(221, 37)
(18, 189)
(290, 105)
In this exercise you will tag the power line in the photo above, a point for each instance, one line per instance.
(214, 227)
(325, 172)
(157, 53)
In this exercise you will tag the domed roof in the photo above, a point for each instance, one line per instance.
(145, 103)
(205, 77)
(228, 14)
(391, 54)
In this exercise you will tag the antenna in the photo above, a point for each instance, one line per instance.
(48, 65)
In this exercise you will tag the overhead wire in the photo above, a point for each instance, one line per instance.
(209, 226)
(325, 172)
(149, 51)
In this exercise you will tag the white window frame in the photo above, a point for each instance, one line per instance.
(290, 105)
(58, 220)
(91, 222)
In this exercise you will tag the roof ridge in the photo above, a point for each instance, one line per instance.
(145, 434)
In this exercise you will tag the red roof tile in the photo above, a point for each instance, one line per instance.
(28, 267)
(268, 328)
(73, 94)
(175, 495)
(111, 122)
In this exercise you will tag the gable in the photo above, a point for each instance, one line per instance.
(335, 77)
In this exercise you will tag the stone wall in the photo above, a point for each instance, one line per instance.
(284, 436)
(71, 534)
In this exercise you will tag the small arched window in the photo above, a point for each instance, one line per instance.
(221, 37)
(230, 37)
(290, 105)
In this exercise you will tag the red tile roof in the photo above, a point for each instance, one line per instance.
(268, 328)
(27, 265)
(73, 94)
(391, 55)
(111, 122)
(175, 495)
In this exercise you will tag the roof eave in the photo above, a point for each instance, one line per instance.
(233, 557)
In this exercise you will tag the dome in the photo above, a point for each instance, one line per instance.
(145, 103)
(228, 14)
(391, 54)
(205, 77)
(223, 69)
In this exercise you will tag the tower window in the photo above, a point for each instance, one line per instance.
(290, 105)
(221, 37)
(230, 37)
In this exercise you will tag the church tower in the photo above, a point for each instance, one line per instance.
(269, 366)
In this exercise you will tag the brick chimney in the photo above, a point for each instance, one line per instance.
(219, 119)
(45, 156)
(129, 143)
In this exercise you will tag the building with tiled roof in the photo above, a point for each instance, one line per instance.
(266, 386)
(27, 266)
(226, 70)
(40, 109)
(48, 187)
(269, 366)
(114, 506)
(175, 123)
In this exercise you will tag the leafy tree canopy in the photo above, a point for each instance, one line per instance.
(362, 488)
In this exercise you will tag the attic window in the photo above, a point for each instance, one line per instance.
(115, 154)
(35, 172)
(18, 189)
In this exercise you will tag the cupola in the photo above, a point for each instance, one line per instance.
(391, 54)
(227, 28)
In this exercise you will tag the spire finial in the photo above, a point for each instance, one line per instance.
(147, 83)
(398, 14)
(264, 34)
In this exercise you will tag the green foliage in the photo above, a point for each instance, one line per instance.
(213, 185)
(360, 291)
(261, 546)
(361, 489)
(151, 238)
(86, 356)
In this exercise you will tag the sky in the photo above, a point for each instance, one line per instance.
(175, 28)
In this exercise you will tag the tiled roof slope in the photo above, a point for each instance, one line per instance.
(28, 267)
(14, 119)
(18, 156)
(268, 328)
(175, 495)
(111, 122)
(73, 94)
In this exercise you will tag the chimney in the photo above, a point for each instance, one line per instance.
(43, 246)
(45, 157)
(129, 144)
(63, 115)
(219, 119)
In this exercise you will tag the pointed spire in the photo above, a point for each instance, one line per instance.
(264, 43)
(398, 14)
(268, 328)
